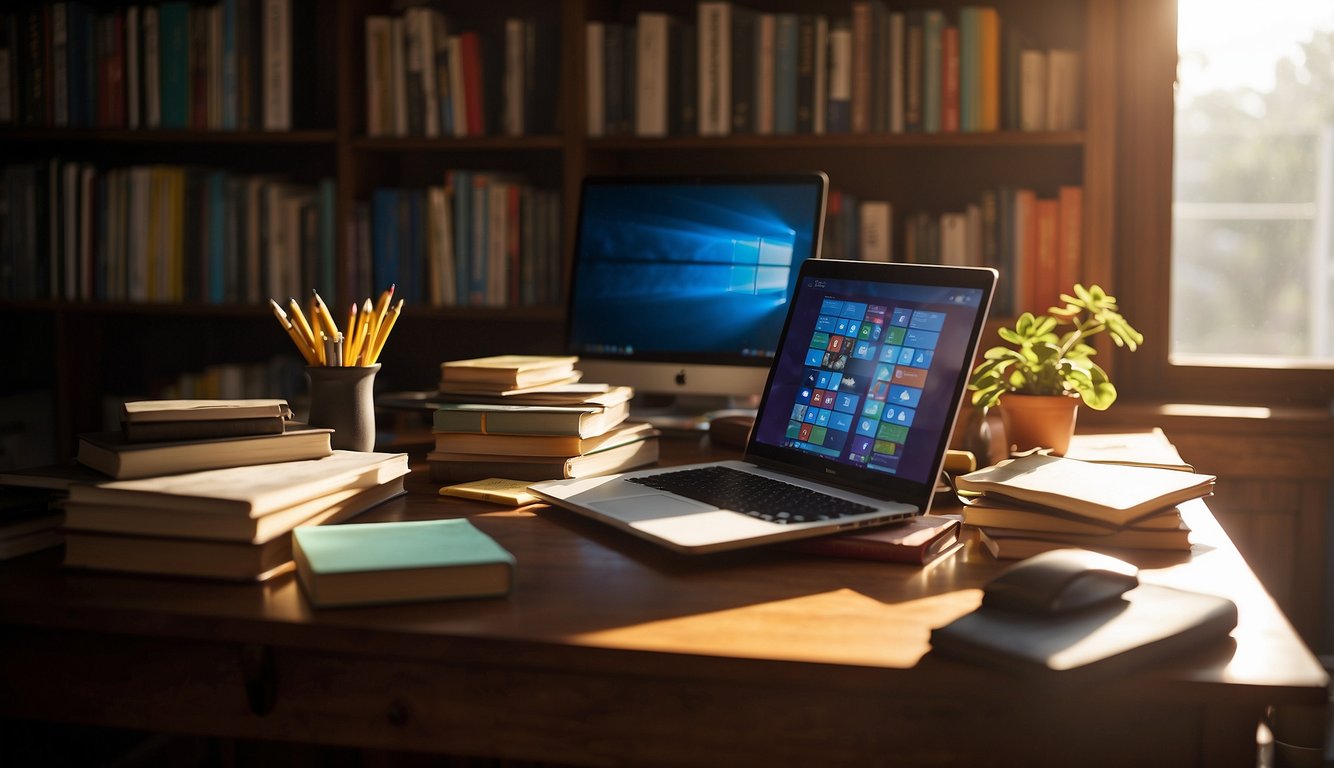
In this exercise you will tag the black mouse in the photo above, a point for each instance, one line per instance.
(1059, 581)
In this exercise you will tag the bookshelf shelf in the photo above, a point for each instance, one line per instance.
(917, 172)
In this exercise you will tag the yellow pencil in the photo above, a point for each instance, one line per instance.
(299, 320)
(377, 319)
(383, 335)
(292, 332)
(361, 345)
(326, 317)
(349, 335)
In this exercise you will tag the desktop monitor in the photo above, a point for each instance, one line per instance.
(680, 284)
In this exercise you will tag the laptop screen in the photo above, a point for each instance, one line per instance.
(870, 372)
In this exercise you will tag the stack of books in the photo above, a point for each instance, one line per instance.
(530, 418)
(32, 506)
(1035, 503)
(213, 489)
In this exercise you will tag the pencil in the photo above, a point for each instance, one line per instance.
(383, 335)
(326, 317)
(293, 332)
(361, 345)
(377, 320)
(299, 320)
(350, 335)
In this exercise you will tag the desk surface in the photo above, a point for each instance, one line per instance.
(612, 650)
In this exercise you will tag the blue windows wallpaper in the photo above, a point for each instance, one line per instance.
(689, 271)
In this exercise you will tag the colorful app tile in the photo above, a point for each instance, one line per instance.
(876, 312)
(804, 395)
(835, 380)
(798, 412)
(905, 397)
(811, 378)
(864, 332)
(901, 317)
(820, 340)
(883, 372)
(826, 323)
(895, 335)
(847, 403)
(835, 344)
(793, 430)
(853, 309)
(894, 433)
(841, 326)
(890, 354)
(822, 379)
(822, 417)
(906, 355)
(884, 463)
(817, 435)
(921, 339)
(922, 358)
(927, 321)
(878, 390)
(812, 415)
(899, 416)
(840, 421)
(863, 350)
(910, 377)
(873, 409)
(831, 307)
(805, 433)
(885, 447)
(817, 398)
(854, 328)
(867, 427)
(815, 357)
(877, 330)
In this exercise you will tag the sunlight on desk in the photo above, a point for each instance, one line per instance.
(871, 632)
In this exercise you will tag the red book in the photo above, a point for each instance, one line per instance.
(949, 80)
(1046, 277)
(1070, 253)
(473, 82)
(918, 541)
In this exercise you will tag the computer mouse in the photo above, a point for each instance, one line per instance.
(1060, 581)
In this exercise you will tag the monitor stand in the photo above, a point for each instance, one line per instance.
(689, 414)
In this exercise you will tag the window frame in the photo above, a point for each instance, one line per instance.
(1143, 236)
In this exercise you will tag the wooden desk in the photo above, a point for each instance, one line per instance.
(611, 651)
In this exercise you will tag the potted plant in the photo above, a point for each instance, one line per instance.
(1040, 379)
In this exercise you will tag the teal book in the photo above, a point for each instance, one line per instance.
(399, 562)
(174, 63)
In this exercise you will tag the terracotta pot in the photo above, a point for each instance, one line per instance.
(1039, 421)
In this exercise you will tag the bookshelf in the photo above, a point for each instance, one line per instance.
(78, 349)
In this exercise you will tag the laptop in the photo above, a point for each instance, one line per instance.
(853, 421)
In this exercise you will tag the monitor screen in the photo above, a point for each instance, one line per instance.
(680, 284)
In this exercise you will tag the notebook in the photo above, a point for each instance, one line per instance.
(859, 405)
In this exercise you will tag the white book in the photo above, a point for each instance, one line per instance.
(1064, 94)
(1032, 90)
(820, 108)
(715, 68)
(152, 73)
(840, 65)
(954, 239)
(458, 100)
(250, 491)
(379, 106)
(133, 76)
(897, 74)
(652, 46)
(277, 65)
(764, 74)
(512, 80)
(875, 227)
(594, 42)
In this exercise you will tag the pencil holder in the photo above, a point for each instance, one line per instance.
(343, 399)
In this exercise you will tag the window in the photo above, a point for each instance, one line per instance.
(1253, 193)
(1213, 218)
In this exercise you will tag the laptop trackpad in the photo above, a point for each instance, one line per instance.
(649, 506)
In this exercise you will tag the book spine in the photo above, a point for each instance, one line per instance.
(785, 73)
(714, 73)
(839, 118)
(651, 63)
(277, 65)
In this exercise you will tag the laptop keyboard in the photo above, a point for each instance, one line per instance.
(754, 495)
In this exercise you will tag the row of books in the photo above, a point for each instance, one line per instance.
(1036, 502)
(529, 418)
(1035, 242)
(478, 239)
(428, 76)
(161, 233)
(228, 65)
(735, 70)
(282, 375)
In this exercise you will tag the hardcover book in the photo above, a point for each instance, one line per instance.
(360, 564)
(917, 541)
(511, 371)
(483, 419)
(112, 454)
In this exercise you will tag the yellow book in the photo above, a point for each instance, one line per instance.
(497, 490)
